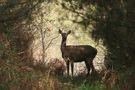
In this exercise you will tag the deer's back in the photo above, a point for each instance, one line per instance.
(79, 53)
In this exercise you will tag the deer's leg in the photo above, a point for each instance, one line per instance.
(67, 63)
(88, 67)
(72, 68)
(92, 67)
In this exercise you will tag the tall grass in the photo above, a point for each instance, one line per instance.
(97, 86)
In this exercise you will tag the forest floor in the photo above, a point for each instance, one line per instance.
(16, 73)
(19, 74)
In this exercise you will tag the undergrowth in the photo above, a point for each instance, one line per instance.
(16, 74)
(98, 86)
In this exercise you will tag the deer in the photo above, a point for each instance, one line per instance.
(77, 53)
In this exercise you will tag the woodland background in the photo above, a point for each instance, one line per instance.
(29, 34)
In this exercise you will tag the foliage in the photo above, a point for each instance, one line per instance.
(113, 23)
(81, 83)
(89, 87)
(109, 21)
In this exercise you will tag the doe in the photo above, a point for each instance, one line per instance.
(77, 53)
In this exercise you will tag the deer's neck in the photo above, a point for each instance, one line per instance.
(63, 45)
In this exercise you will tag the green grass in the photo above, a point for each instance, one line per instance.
(87, 86)
(82, 82)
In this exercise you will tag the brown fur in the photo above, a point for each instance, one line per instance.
(78, 53)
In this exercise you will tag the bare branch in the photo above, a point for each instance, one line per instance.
(51, 42)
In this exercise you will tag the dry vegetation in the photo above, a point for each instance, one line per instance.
(24, 22)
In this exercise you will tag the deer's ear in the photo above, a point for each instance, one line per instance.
(60, 31)
(69, 32)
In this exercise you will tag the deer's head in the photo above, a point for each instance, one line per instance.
(64, 35)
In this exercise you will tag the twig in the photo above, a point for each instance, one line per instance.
(51, 42)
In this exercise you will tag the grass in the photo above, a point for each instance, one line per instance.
(81, 82)
(18, 75)
(89, 87)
